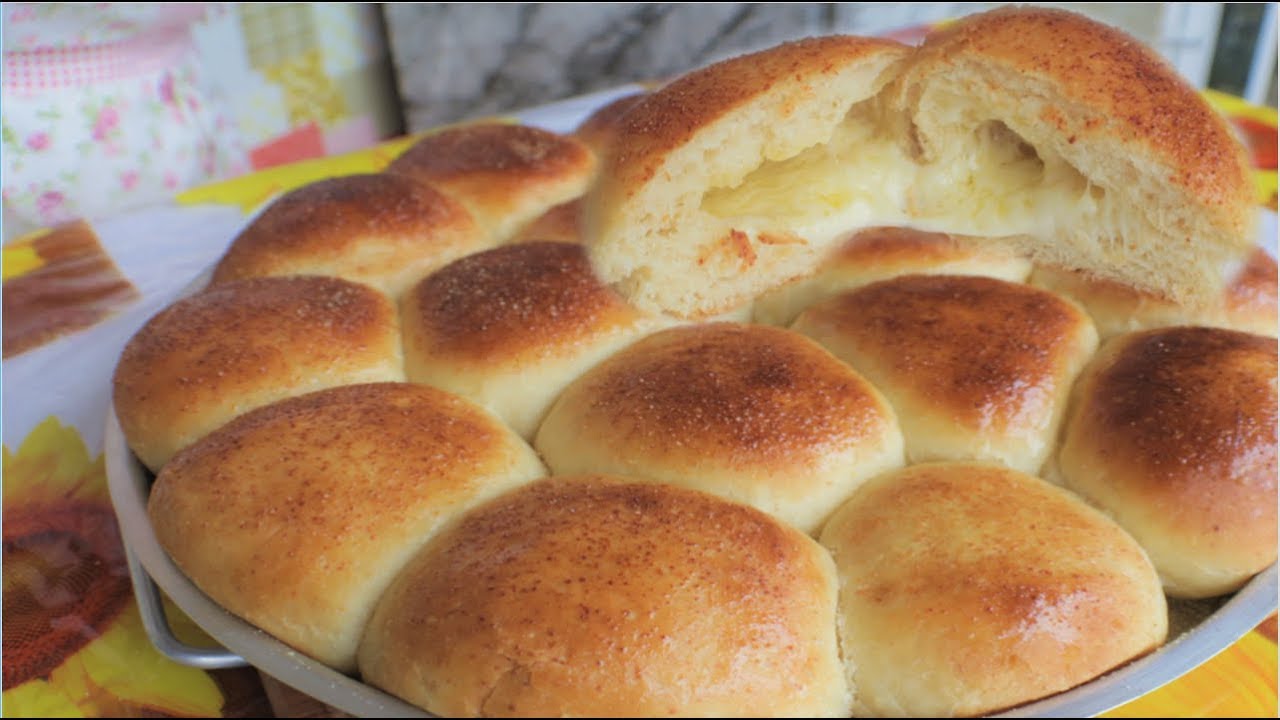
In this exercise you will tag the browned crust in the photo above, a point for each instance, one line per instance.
(1189, 413)
(1134, 95)
(669, 117)
(601, 128)
(562, 223)
(1251, 296)
(246, 339)
(485, 163)
(330, 223)
(1008, 587)
(535, 298)
(593, 596)
(986, 351)
(750, 395)
(286, 514)
(900, 246)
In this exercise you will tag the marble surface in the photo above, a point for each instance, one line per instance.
(461, 61)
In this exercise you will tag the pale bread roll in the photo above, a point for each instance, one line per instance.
(649, 230)
(599, 597)
(298, 515)
(969, 588)
(505, 174)
(1126, 170)
(243, 344)
(975, 368)
(1173, 432)
(1248, 303)
(382, 230)
(756, 414)
(881, 253)
(510, 327)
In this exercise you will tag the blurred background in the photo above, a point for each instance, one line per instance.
(110, 106)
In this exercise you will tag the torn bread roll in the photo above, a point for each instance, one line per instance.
(387, 231)
(649, 230)
(1248, 303)
(601, 597)
(976, 368)
(298, 515)
(883, 253)
(968, 588)
(1173, 433)
(1041, 129)
(505, 174)
(756, 414)
(243, 344)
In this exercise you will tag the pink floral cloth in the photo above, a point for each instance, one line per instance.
(105, 109)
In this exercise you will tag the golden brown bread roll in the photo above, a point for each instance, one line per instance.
(600, 129)
(650, 228)
(1040, 129)
(1173, 432)
(298, 515)
(757, 414)
(243, 344)
(510, 327)
(882, 253)
(1248, 303)
(597, 597)
(505, 174)
(975, 368)
(383, 230)
(562, 223)
(968, 588)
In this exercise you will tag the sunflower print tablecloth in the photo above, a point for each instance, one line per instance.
(73, 642)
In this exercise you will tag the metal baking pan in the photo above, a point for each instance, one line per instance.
(1198, 630)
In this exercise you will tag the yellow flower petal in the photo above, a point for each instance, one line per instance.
(39, 699)
(52, 464)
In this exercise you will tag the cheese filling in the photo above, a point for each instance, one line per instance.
(996, 185)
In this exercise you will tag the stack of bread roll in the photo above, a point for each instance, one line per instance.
(491, 431)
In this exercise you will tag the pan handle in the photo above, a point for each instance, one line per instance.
(156, 624)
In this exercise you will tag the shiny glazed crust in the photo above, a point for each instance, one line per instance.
(298, 515)
(756, 414)
(596, 597)
(1012, 588)
(243, 344)
(1173, 432)
(384, 230)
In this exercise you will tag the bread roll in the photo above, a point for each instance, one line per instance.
(975, 368)
(1248, 303)
(1173, 432)
(298, 515)
(506, 175)
(243, 344)
(562, 223)
(882, 253)
(1082, 139)
(756, 414)
(650, 227)
(383, 230)
(598, 597)
(600, 129)
(509, 328)
(969, 588)
(1040, 129)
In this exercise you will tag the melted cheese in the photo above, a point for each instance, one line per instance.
(992, 186)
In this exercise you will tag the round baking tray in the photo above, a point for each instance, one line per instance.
(1207, 627)
(1197, 631)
